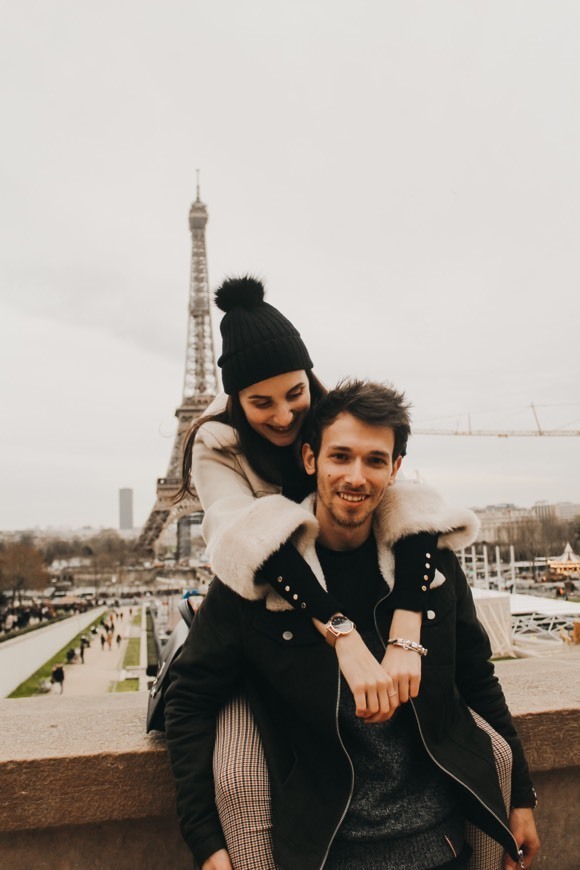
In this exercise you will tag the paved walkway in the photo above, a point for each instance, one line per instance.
(102, 666)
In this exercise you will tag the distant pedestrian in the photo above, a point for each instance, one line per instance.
(118, 640)
(82, 652)
(110, 640)
(103, 641)
(57, 676)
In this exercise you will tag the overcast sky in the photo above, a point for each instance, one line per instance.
(404, 176)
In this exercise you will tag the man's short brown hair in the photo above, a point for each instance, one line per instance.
(369, 401)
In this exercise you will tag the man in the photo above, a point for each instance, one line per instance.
(346, 792)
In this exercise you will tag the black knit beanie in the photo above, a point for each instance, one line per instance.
(257, 341)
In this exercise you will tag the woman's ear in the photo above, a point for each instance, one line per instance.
(309, 459)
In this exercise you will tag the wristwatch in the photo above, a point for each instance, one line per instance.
(337, 626)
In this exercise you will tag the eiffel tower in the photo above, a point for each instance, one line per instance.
(200, 387)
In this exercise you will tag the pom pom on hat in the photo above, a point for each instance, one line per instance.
(258, 342)
(245, 292)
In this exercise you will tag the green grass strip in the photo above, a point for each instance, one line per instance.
(137, 619)
(133, 653)
(130, 685)
(30, 686)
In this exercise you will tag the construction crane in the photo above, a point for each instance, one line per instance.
(504, 433)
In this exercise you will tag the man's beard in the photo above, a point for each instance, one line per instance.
(346, 522)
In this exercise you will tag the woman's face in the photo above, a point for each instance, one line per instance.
(276, 408)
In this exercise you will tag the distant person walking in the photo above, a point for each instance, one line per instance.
(118, 640)
(103, 640)
(57, 677)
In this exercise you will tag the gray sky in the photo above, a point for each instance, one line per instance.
(404, 176)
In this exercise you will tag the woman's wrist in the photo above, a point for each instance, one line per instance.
(406, 623)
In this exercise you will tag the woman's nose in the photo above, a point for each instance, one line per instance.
(283, 416)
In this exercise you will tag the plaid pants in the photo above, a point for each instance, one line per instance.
(242, 792)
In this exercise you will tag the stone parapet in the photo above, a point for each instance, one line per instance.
(84, 787)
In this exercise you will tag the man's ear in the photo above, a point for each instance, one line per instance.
(396, 466)
(309, 459)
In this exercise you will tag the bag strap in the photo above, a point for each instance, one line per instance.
(186, 611)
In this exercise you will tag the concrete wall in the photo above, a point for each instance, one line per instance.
(84, 788)
(22, 656)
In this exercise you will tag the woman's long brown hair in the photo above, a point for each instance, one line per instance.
(257, 450)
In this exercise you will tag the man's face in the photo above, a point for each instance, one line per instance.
(353, 469)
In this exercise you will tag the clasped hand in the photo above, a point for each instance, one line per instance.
(378, 688)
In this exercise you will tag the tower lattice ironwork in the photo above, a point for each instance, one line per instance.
(200, 386)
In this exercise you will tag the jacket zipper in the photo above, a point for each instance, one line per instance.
(429, 753)
(344, 812)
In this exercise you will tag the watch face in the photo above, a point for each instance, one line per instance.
(341, 623)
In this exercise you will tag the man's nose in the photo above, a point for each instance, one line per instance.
(283, 416)
(355, 475)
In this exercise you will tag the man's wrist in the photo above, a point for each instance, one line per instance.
(528, 802)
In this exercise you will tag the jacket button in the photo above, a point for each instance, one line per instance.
(287, 635)
(430, 614)
(280, 579)
(427, 564)
(428, 555)
(287, 588)
(425, 577)
(423, 588)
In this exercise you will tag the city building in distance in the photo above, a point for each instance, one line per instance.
(125, 510)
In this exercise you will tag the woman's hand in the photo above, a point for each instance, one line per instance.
(220, 860)
(404, 666)
(367, 680)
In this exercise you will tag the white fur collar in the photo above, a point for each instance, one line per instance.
(407, 507)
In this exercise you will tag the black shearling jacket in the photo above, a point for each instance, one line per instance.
(292, 680)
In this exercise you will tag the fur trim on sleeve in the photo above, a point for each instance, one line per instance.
(245, 544)
(409, 507)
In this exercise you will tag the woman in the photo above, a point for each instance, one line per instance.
(244, 458)
(248, 446)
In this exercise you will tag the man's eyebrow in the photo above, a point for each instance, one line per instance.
(385, 454)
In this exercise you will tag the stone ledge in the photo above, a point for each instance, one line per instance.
(87, 764)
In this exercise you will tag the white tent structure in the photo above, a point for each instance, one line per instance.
(494, 613)
(524, 624)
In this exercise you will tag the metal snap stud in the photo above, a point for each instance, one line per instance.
(287, 635)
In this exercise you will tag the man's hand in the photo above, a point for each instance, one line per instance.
(367, 680)
(404, 666)
(523, 827)
(220, 860)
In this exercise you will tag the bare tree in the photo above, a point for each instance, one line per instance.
(21, 567)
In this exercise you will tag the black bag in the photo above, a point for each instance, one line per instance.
(155, 719)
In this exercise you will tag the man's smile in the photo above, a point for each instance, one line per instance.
(352, 497)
